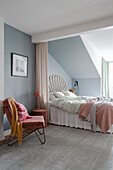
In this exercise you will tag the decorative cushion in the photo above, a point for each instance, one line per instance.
(59, 94)
(73, 91)
(52, 97)
(22, 111)
(68, 93)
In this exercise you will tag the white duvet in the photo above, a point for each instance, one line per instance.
(70, 104)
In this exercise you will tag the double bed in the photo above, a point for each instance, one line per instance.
(83, 112)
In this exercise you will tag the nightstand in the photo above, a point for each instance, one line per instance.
(42, 112)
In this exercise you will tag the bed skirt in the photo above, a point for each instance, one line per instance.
(61, 117)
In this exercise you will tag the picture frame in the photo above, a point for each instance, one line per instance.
(19, 65)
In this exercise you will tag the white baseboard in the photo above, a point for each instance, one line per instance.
(1, 136)
(5, 133)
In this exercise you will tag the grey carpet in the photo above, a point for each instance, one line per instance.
(66, 149)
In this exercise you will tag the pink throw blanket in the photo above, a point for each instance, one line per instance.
(104, 113)
(85, 108)
(104, 116)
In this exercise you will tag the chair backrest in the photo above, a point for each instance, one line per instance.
(7, 109)
(21, 110)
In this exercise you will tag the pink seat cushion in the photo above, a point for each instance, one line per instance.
(33, 122)
(22, 112)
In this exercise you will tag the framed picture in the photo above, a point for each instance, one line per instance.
(19, 65)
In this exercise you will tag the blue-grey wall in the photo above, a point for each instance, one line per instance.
(22, 89)
(73, 56)
(88, 87)
(55, 68)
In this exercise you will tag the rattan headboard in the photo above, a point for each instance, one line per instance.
(56, 83)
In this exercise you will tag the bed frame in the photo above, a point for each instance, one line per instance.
(61, 117)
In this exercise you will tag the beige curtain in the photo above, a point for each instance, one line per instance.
(42, 75)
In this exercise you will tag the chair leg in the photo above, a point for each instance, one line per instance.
(40, 132)
(11, 141)
(43, 133)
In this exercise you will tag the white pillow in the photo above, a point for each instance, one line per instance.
(59, 94)
(69, 93)
(52, 97)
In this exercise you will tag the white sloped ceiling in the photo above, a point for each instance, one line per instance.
(93, 53)
(102, 42)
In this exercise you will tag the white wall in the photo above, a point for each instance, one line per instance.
(55, 68)
(1, 59)
(1, 74)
